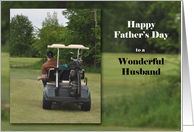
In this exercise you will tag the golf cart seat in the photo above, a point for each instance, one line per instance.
(64, 77)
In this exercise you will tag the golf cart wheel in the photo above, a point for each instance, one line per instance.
(46, 104)
(86, 106)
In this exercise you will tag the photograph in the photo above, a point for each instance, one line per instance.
(55, 66)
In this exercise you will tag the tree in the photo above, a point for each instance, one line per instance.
(51, 33)
(7, 5)
(95, 19)
(85, 26)
(167, 16)
(45, 35)
(21, 37)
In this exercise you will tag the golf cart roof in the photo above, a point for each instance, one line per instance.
(71, 46)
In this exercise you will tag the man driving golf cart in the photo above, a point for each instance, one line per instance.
(47, 66)
(66, 85)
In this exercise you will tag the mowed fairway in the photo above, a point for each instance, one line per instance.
(127, 100)
(116, 84)
(5, 76)
(26, 95)
(15, 61)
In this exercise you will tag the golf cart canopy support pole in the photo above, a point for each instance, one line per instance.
(57, 67)
(78, 53)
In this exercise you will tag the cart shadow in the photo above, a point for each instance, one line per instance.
(66, 107)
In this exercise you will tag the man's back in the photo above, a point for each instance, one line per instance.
(49, 64)
(46, 67)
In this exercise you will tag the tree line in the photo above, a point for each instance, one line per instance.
(84, 27)
(115, 14)
(166, 15)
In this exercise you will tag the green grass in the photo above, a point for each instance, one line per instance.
(5, 75)
(5, 48)
(5, 86)
(122, 96)
(140, 100)
(92, 69)
(26, 97)
(6, 126)
(23, 61)
(127, 84)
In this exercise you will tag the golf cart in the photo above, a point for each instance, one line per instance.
(66, 85)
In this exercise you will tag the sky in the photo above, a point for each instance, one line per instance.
(37, 16)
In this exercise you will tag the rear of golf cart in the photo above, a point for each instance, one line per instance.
(66, 85)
